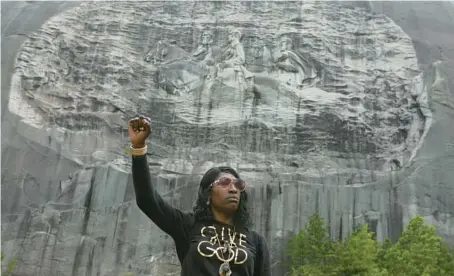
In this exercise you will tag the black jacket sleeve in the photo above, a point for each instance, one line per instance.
(169, 219)
(262, 266)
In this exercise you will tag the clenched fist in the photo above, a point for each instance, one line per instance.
(139, 129)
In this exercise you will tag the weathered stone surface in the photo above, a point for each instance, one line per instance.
(331, 108)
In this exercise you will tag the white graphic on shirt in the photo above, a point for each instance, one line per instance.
(214, 244)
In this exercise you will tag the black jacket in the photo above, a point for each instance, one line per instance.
(198, 243)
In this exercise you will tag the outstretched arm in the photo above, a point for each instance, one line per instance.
(168, 218)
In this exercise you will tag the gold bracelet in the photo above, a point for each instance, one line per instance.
(139, 151)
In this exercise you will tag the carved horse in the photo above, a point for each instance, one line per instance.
(176, 72)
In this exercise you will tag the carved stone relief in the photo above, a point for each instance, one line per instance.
(287, 73)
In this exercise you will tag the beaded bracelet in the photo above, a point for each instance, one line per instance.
(139, 151)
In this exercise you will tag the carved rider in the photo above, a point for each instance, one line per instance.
(206, 52)
(234, 56)
(292, 67)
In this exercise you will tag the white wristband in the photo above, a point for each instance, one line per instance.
(139, 151)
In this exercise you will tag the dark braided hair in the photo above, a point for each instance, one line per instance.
(202, 210)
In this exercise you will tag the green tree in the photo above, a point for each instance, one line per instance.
(359, 254)
(311, 249)
(417, 252)
(381, 252)
(308, 269)
(446, 261)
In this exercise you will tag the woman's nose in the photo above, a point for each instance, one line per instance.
(232, 188)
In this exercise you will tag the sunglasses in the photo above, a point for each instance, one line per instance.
(225, 182)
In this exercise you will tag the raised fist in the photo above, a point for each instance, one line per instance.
(139, 129)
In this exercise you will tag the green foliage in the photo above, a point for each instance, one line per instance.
(359, 254)
(308, 269)
(446, 261)
(382, 249)
(311, 245)
(10, 266)
(419, 251)
(311, 251)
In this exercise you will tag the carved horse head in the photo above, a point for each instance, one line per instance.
(165, 51)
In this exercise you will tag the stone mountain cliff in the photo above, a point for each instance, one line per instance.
(322, 107)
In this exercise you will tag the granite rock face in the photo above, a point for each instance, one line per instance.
(322, 107)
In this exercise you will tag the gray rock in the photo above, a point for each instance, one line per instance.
(339, 108)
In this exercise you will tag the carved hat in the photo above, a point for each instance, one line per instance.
(207, 32)
(236, 31)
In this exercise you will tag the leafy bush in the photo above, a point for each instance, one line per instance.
(418, 252)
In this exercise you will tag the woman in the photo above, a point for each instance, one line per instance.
(214, 238)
